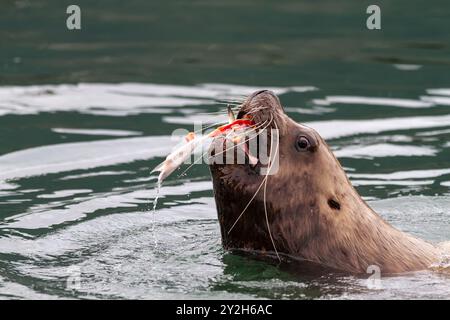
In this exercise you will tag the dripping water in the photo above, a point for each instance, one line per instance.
(155, 202)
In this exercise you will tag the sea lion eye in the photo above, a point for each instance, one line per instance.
(302, 143)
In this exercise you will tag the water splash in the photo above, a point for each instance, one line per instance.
(155, 203)
(443, 265)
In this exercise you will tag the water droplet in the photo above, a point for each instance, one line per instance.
(155, 202)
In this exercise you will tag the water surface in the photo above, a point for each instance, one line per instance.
(85, 117)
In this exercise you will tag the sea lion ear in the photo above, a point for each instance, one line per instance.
(333, 204)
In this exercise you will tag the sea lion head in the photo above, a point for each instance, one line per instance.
(301, 203)
(293, 208)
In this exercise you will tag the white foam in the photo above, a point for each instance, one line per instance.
(400, 175)
(384, 150)
(342, 128)
(440, 91)
(433, 133)
(7, 186)
(444, 101)
(391, 182)
(98, 132)
(332, 129)
(392, 102)
(81, 155)
(120, 99)
(95, 174)
(407, 67)
(63, 193)
(50, 214)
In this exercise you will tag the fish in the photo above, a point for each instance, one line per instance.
(179, 156)
(176, 158)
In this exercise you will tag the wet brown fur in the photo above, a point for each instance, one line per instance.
(314, 212)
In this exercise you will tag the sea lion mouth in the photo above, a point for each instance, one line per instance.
(263, 111)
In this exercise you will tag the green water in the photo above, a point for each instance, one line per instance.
(85, 115)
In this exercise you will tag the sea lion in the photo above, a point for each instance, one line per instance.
(308, 209)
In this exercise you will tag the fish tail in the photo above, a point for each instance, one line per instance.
(159, 167)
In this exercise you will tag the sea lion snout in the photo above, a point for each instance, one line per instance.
(265, 99)
(262, 105)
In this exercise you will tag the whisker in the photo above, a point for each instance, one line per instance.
(265, 203)
(229, 103)
(240, 143)
(239, 99)
(231, 100)
(257, 109)
(226, 137)
(234, 108)
(196, 161)
(208, 127)
(254, 195)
